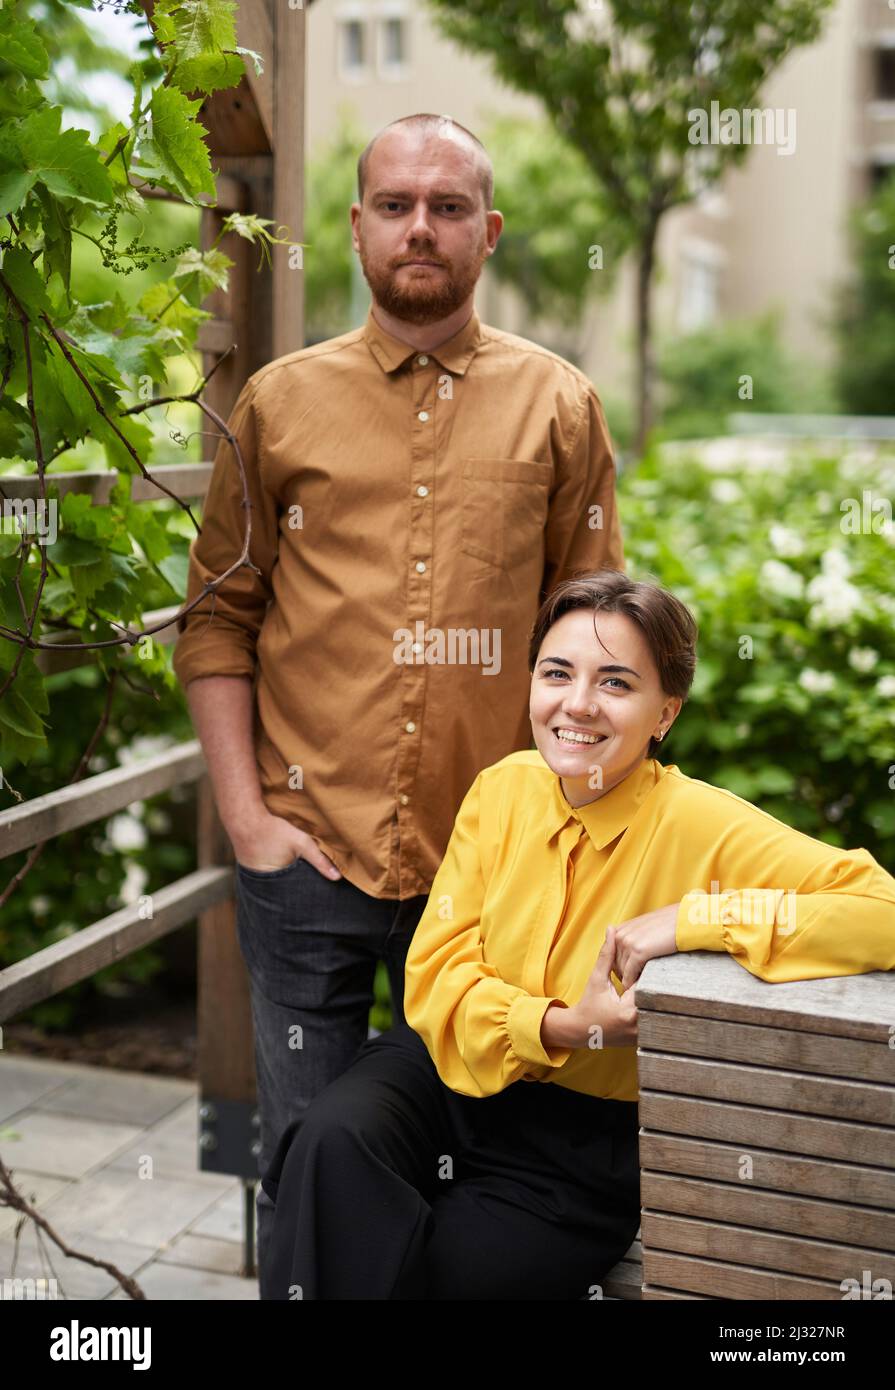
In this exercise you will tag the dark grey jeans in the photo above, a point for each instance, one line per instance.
(311, 945)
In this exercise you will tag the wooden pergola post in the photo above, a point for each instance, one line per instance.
(256, 139)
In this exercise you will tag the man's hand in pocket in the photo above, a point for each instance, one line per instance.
(265, 842)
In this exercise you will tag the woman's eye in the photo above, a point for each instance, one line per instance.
(555, 671)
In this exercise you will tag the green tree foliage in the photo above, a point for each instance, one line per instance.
(88, 343)
(619, 80)
(737, 366)
(866, 312)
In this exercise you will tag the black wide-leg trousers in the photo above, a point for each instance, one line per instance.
(393, 1186)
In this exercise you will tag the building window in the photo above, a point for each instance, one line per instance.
(698, 305)
(884, 85)
(353, 57)
(393, 46)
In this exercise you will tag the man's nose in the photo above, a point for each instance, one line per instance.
(421, 225)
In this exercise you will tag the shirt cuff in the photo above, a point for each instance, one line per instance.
(524, 1018)
(702, 917)
(208, 655)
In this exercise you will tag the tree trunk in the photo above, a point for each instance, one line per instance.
(646, 367)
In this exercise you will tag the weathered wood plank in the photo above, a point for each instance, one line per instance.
(711, 984)
(651, 1292)
(44, 974)
(778, 1172)
(816, 1259)
(215, 335)
(776, 1047)
(226, 1044)
(186, 480)
(69, 653)
(96, 797)
(752, 1206)
(685, 1273)
(773, 1129)
(782, 1090)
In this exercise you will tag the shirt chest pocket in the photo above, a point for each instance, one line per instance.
(505, 504)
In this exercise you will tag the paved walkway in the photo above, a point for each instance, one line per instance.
(110, 1158)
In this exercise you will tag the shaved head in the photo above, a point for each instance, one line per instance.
(431, 127)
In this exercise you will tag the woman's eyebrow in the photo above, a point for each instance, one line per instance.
(561, 661)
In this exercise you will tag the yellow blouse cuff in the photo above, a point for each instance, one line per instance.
(703, 918)
(524, 1018)
(695, 930)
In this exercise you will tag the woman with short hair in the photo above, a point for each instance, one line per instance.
(434, 1168)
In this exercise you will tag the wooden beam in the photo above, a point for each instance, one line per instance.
(289, 177)
(186, 479)
(96, 797)
(77, 957)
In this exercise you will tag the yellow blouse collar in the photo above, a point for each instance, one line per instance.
(611, 813)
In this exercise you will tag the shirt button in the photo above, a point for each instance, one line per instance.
(416, 646)
(421, 567)
(423, 360)
(423, 415)
(422, 490)
(403, 798)
(410, 726)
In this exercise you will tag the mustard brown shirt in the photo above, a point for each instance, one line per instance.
(409, 512)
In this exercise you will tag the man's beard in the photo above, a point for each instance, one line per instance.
(418, 300)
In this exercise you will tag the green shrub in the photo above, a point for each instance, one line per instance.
(805, 725)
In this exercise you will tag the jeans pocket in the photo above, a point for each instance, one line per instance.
(270, 873)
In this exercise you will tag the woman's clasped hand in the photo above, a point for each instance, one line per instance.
(602, 1017)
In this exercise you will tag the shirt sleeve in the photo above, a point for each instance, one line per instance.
(583, 529)
(802, 910)
(224, 644)
(481, 1031)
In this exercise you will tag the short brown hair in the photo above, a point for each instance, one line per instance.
(668, 626)
(429, 124)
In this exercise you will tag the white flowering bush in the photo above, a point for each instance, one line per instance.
(789, 568)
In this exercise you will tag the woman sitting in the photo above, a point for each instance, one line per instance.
(434, 1168)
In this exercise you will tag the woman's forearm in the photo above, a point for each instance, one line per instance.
(561, 1027)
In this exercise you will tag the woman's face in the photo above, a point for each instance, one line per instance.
(610, 693)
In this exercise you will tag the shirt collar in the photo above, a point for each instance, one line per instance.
(455, 353)
(611, 813)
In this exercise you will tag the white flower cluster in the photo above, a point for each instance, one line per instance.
(834, 600)
(817, 682)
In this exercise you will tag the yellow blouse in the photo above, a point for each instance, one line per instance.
(519, 908)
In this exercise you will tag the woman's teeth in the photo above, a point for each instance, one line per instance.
(567, 736)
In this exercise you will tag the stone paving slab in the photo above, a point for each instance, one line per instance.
(119, 1205)
(128, 1097)
(177, 1282)
(36, 1188)
(82, 1133)
(62, 1145)
(173, 1146)
(74, 1278)
(204, 1252)
(224, 1220)
(23, 1086)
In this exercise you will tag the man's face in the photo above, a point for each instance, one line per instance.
(422, 233)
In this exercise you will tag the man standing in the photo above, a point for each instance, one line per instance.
(417, 486)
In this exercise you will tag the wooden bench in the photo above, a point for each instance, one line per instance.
(767, 1139)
